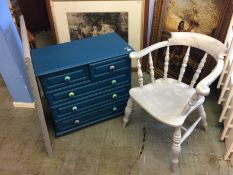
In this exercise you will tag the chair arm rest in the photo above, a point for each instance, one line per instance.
(203, 86)
(147, 50)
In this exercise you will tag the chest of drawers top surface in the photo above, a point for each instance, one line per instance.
(54, 58)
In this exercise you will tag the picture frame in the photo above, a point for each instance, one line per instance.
(188, 16)
(115, 9)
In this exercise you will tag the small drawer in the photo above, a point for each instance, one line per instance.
(102, 113)
(109, 67)
(55, 98)
(90, 103)
(65, 78)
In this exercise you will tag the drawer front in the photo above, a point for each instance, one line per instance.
(85, 106)
(65, 78)
(109, 67)
(101, 113)
(56, 98)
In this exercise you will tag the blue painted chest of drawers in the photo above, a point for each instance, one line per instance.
(84, 81)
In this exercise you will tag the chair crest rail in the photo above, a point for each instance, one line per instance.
(211, 46)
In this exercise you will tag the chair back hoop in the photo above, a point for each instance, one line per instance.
(209, 45)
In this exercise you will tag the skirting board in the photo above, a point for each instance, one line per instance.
(23, 105)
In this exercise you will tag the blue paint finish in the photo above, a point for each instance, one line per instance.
(57, 79)
(102, 68)
(90, 102)
(61, 97)
(81, 52)
(99, 79)
(103, 112)
(11, 58)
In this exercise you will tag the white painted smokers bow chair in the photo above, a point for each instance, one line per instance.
(170, 101)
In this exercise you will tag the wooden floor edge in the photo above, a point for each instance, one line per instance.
(23, 105)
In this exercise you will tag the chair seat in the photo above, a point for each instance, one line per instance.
(165, 100)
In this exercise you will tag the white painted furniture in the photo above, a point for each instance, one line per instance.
(34, 87)
(171, 101)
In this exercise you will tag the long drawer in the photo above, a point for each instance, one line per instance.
(103, 112)
(56, 98)
(89, 103)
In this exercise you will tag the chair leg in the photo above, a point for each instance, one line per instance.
(176, 149)
(202, 114)
(128, 111)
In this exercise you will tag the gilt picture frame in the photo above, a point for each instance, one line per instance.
(185, 16)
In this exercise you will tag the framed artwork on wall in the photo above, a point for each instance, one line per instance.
(185, 16)
(79, 19)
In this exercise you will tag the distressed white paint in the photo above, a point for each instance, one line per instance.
(34, 86)
(128, 111)
(171, 101)
(202, 114)
(198, 71)
(176, 148)
(166, 62)
(151, 67)
(184, 65)
(190, 130)
(140, 74)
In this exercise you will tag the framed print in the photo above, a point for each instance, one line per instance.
(83, 25)
(79, 19)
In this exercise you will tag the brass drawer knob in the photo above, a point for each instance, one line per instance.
(67, 78)
(76, 122)
(114, 96)
(114, 82)
(74, 108)
(71, 94)
(112, 68)
(114, 109)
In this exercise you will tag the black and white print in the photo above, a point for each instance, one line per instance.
(83, 25)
